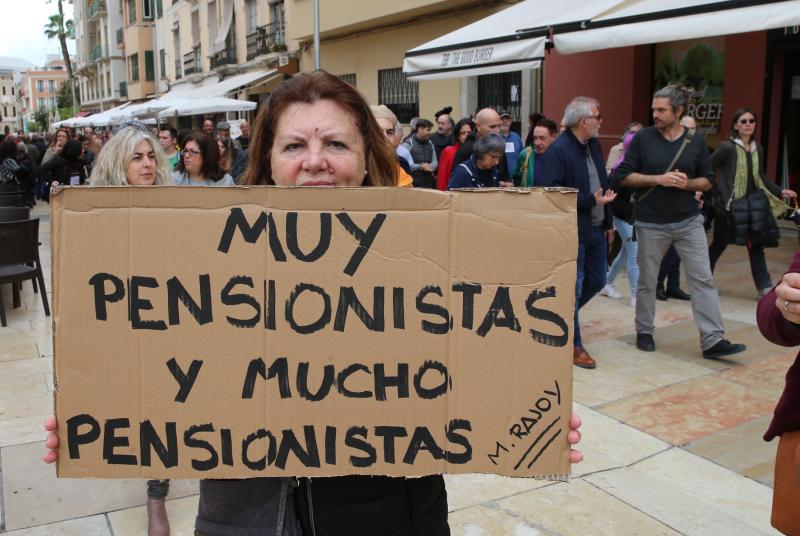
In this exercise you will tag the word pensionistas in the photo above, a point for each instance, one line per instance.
(306, 307)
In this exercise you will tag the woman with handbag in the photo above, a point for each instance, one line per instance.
(779, 321)
(747, 198)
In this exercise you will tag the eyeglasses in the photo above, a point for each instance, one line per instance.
(747, 121)
(599, 117)
(190, 152)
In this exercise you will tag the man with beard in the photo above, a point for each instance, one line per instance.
(667, 163)
(443, 136)
(575, 160)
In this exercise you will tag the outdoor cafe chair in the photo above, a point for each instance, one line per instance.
(10, 189)
(14, 213)
(19, 259)
(10, 200)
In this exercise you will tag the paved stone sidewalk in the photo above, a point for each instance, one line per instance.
(672, 442)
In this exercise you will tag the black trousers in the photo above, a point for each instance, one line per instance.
(758, 261)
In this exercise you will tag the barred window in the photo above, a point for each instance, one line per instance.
(502, 91)
(349, 78)
(398, 93)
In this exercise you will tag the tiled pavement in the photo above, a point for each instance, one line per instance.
(672, 442)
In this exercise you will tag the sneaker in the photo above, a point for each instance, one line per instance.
(722, 348)
(645, 342)
(611, 292)
(633, 303)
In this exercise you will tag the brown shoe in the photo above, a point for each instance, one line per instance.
(581, 358)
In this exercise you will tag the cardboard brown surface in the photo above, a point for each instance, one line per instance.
(465, 367)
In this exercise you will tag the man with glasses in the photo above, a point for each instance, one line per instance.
(667, 163)
(575, 160)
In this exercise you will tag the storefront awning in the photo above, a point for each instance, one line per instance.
(494, 44)
(637, 22)
(211, 87)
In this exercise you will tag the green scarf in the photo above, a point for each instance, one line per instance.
(740, 180)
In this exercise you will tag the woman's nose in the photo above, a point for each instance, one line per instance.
(315, 159)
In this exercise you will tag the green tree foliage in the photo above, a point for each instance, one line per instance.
(61, 29)
(42, 119)
(64, 97)
(702, 66)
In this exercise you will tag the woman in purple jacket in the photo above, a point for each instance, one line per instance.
(779, 321)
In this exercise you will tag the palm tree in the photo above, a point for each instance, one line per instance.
(57, 28)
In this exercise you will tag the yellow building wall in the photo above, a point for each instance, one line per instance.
(368, 53)
(336, 14)
(138, 39)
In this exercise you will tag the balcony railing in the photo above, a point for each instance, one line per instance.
(96, 7)
(123, 89)
(266, 39)
(226, 56)
(120, 36)
(97, 53)
(193, 62)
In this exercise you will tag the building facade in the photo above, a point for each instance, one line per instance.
(11, 70)
(366, 47)
(100, 61)
(37, 89)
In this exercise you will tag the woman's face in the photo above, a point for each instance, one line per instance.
(141, 169)
(746, 124)
(465, 131)
(61, 138)
(317, 145)
(221, 149)
(192, 158)
(488, 161)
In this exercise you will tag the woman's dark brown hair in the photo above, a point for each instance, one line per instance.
(738, 115)
(309, 88)
(209, 150)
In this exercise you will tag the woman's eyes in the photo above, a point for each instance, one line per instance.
(337, 144)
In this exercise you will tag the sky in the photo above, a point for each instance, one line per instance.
(23, 31)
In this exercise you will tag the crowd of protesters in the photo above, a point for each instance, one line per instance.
(658, 190)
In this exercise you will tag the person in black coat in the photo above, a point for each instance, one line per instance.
(575, 160)
(65, 168)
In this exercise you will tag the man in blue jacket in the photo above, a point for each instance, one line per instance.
(575, 160)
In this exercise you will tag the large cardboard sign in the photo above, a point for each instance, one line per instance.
(243, 332)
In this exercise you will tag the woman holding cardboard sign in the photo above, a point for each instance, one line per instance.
(319, 131)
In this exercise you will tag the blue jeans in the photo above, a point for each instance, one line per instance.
(591, 277)
(627, 255)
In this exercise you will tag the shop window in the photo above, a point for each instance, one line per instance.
(502, 91)
(398, 93)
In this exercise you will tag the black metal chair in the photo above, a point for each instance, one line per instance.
(19, 259)
(14, 214)
(10, 200)
(10, 189)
